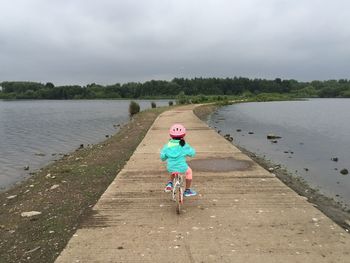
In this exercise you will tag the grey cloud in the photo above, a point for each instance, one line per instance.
(117, 41)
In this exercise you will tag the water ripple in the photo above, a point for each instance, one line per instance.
(312, 133)
(30, 128)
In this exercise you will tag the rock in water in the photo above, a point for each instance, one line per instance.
(344, 171)
(272, 136)
(347, 222)
(30, 214)
(334, 159)
(228, 137)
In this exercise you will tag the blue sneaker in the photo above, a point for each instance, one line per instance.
(169, 187)
(189, 192)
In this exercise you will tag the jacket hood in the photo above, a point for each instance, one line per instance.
(173, 148)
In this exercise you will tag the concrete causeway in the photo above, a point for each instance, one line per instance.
(242, 213)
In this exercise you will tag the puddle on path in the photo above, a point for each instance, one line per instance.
(227, 164)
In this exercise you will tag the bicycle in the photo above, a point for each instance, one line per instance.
(178, 191)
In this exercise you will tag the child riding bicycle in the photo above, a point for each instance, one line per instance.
(175, 153)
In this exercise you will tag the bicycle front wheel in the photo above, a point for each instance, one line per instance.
(179, 200)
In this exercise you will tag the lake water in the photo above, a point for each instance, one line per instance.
(35, 132)
(312, 131)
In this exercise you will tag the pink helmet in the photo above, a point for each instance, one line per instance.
(177, 131)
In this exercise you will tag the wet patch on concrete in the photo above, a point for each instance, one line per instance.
(222, 165)
(95, 220)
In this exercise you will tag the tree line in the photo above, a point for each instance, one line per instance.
(165, 89)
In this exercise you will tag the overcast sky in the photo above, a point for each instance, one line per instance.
(111, 41)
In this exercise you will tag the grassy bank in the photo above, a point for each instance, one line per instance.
(228, 99)
(64, 192)
(328, 206)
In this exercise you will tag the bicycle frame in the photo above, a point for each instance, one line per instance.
(177, 193)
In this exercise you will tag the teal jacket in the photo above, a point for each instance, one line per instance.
(175, 155)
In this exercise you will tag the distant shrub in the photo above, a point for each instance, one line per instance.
(272, 97)
(182, 99)
(153, 104)
(134, 108)
(200, 99)
(346, 94)
(171, 103)
(223, 102)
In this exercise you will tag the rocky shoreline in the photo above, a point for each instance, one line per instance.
(333, 209)
(40, 215)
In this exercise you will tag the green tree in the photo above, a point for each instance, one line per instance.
(134, 108)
